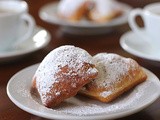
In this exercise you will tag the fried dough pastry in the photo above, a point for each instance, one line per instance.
(104, 11)
(62, 73)
(116, 75)
(73, 10)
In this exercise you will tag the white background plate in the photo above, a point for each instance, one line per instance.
(78, 107)
(39, 39)
(48, 13)
(135, 45)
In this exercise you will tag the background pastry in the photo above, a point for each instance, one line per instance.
(62, 73)
(92, 10)
(105, 10)
(116, 75)
(73, 10)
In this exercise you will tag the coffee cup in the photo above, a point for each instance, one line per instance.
(13, 15)
(150, 15)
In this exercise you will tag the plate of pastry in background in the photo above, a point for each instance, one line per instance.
(69, 83)
(82, 16)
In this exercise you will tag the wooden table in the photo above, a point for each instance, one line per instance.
(93, 44)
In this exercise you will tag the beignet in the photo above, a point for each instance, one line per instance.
(73, 10)
(62, 73)
(105, 10)
(116, 75)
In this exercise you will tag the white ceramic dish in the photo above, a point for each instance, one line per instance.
(135, 45)
(48, 13)
(39, 39)
(78, 107)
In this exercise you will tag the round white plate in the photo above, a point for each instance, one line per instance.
(79, 107)
(135, 45)
(48, 13)
(39, 39)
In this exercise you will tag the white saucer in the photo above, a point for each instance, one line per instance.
(78, 107)
(39, 39)
(48, 13)
(135, 45)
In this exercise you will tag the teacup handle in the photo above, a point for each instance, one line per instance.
(30, 28)
(133, 25)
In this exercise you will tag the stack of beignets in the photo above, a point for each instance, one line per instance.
(67, 70)
(62, 74)
(116, 75)
(93, 10)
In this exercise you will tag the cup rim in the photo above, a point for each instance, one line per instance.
(150, 6)
(22, 4)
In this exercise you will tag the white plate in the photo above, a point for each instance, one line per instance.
(139, 47)
(48, 13)
(78, 107)
(39, 39)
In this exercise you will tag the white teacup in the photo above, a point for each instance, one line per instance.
(13, 15)
(151, 18)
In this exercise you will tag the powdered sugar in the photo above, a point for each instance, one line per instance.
(105, 93)
(83, 106)
(22, 90)
(70, 56)
(105, 8)
(111, 67)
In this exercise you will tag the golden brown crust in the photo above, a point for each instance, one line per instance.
(62, 74)
(111, 92)
(120, 88)
(78, 14)
(68, 85)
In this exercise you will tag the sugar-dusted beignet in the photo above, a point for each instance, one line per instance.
(116, 75)
(62, 73)
(105, 10)
(73, 10)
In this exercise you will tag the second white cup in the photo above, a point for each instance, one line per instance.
(151, 18)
